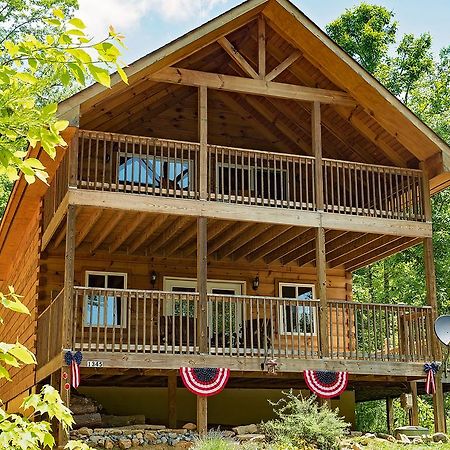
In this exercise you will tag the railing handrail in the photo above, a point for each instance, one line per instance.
(389, 305)
(376, 166)
(51, 303)
(119, 136)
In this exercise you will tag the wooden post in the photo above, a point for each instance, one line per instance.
(65, 396)
(69, 273)
(430, 281)
(316, 133)
(440, 424)
(390, 414)
(73, 160)
(414, 411)
(322, 291)
(261, 47)
(172, 399)
(202, 415)
(203, 140)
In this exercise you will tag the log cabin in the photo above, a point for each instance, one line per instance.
(210, 214)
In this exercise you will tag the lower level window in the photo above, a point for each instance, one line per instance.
(296, 316)
(102, 307)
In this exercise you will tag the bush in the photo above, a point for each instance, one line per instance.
(215, 441)
(302, 423)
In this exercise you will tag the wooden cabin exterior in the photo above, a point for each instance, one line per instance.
(211, 214)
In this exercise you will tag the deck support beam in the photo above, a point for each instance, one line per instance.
(390, 414)
(430, 282)
(321, 265)
(414, 411)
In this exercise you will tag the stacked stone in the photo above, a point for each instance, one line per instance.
(136, 436)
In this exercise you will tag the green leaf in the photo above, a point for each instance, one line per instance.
(61, 125)
(101, 75)
(50, 109)
(26, 77)
(4, 373)
(77, 23)
(23, 354)
(122, 74)
(58, 13)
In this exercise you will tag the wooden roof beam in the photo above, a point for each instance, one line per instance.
(171, 232)
(87, 226)
(331, 236)
(225, 238)
(250, 86)
(261, 47)
(107, 230)
(342, 111)
(258, 241)
(185, 237)
(237, 57)
(337, 255)
(126, 232)
(294, 56)
(242, 240)
(290, 246)
(278, 241)
(150, 230)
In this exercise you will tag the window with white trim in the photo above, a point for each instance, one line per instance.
(297, 317)
(105, 310)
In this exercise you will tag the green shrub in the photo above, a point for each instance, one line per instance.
(215, 441)
(302, 423)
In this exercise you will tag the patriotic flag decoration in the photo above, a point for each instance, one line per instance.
(74, 361)
(326, 384)
(204, 381)
(431, 370)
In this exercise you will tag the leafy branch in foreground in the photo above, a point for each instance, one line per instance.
(29, 67)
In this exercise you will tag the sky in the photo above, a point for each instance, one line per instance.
(149, 24)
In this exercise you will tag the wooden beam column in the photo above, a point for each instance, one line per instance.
(321, 265)
(414, 411)
(261, 47)
(390, 414)
(430, 281)
(202, 251)
(203, 140)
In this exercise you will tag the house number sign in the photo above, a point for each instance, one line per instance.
(94, 363)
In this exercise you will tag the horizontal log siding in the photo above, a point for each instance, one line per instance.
(24, 276)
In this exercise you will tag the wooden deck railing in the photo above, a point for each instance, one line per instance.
(253, 177)
(165, 322)
(56, 191)
(379, 332)
(162, 167)
(375, 191)
(49, 331)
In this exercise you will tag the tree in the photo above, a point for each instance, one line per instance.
(365, 32)
(59, 53)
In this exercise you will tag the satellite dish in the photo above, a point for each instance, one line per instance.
(442, 329)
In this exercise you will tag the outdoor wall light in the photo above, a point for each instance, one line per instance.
(255, 283)
(153, 278)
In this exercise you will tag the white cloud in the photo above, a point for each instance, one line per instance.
(126, 15)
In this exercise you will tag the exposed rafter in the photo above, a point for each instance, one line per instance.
(237, 57)
(241, 85)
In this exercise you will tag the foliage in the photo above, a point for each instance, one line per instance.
(29, 68)
(365, 32)
(302, 423)
(371, 416)
(214, 440)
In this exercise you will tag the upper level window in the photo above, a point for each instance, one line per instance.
(105, 309)
(297, 317)
(153, 171)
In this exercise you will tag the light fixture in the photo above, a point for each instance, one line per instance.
(153, 278)
(255, 283)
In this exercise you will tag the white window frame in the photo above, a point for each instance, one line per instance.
(162, 159)
(123, 306)
(312, 307)
(169, 282)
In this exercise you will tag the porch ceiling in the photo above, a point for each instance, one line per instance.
(142, 234)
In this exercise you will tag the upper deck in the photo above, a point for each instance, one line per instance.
(274, 187)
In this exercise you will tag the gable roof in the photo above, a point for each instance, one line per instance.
(302, 33)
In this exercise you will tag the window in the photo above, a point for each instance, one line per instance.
(155, 171)
(262, 182)
(105, 310)
(297, 318)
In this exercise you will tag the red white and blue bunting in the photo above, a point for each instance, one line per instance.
(73, 360)
(204, 381)
(326, 384)
(431, 370)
